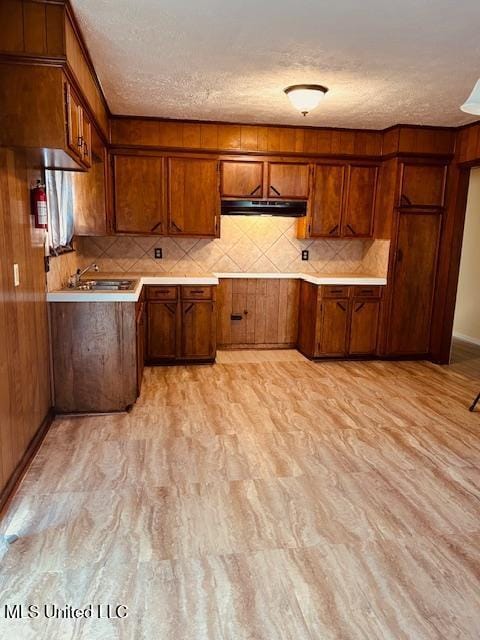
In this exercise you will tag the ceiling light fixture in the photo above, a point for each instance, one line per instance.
(305, 97)
(472, 103)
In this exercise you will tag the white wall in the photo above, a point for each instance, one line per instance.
(467, 311)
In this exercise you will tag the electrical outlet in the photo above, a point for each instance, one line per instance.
(305, 254)
(157, 252)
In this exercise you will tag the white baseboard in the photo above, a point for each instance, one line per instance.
(461, 336)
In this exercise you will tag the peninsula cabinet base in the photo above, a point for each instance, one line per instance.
(94, 348)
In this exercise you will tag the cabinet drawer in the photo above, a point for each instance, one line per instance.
(365, 291)
(335, 291)
(161, 293)
(196, 293)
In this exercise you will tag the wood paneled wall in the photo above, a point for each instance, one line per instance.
(32, 28)
(403, 139)
(24, 352)
(468, 144)
(418, 140)
(244, 138)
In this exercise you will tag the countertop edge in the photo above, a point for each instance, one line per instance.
(133, 295)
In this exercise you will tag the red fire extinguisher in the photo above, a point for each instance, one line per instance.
(39, 205)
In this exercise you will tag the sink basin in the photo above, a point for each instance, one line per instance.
(106, 285)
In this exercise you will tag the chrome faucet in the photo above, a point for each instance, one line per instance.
(74, 279)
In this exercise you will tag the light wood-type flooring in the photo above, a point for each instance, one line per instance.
(263, 498)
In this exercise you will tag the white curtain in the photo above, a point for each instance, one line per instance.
(60, 209)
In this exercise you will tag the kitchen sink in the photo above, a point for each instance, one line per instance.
(105, 285)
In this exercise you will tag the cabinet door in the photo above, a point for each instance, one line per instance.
(333, 328)
(423, 185)
(86, 139)
(241, 179)
(413, 282)
(288, 180)
(139, 194)
(140, 346)
(193, 196)
(89, 203)
(327, 198)
(359, 201)
(74, 122)
(364, 327)
(162, 323)
(198, 330)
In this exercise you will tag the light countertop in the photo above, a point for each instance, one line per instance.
(132, 295)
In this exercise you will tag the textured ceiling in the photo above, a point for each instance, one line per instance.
(384, 61)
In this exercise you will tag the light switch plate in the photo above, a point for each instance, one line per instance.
(16, 275)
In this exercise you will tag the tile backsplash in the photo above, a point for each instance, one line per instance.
(247, 244)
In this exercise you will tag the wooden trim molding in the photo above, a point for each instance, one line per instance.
(8, 491)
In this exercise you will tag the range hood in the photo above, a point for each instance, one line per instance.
(286, 208)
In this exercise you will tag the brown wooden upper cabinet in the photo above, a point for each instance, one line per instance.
(193, 197)
(422, 185)
(90, 202)
(343, 201)
(79, 127)
(359, 201)
(241, 179)
(327, 200)
(289, 180)
(139, 194)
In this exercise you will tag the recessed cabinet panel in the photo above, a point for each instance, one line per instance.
(288, 180)
(364, 327)
(327, 198)
(139, 199)
(162, 323)
(241, 179)
(74, 122)
(193, 197)
(198, 330)
(423, 185)
(413, 283)
(359, 201)
(86, 150)
(90, 201)
(334, 325)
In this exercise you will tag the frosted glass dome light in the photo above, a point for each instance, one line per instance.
(305, 97)
(472, 103)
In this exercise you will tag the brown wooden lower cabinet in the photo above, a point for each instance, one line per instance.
(333, 337)
(140, 332)
(257, 313)
(182, 325)
(94, 346)
(338, 321)
(364, 327)
(162, 323)
(198, 329)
